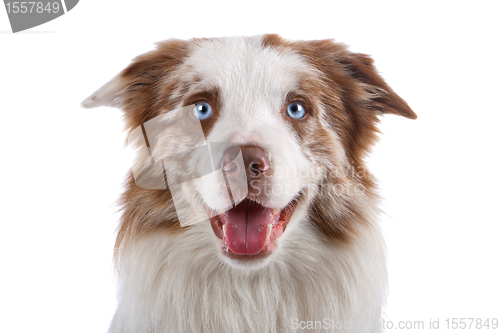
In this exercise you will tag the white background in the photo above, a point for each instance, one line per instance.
(62, 166)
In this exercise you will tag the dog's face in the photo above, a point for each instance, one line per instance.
(253, 136)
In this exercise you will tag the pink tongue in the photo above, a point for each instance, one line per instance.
(246, 228)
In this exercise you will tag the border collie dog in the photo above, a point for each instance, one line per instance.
(249, 207)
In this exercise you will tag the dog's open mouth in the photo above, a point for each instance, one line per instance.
(249, 229)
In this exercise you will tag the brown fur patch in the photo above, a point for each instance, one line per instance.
(212, 97)
(144, 211)
(273, 41)
(151, 80)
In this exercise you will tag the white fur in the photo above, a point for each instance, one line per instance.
(179, 284)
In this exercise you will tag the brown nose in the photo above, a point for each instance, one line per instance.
(255, 158)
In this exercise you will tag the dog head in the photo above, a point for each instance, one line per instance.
(251, 135)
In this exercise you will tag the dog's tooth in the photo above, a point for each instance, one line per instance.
(275, 211)
(224, 230)
(269, 229)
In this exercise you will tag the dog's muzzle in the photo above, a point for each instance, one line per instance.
(249, 228)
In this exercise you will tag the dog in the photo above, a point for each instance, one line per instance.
(249, 207)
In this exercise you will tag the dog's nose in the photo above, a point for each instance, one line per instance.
(255, 159)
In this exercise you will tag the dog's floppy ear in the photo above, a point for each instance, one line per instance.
(381, 96)
(108, 94)
(144, 74)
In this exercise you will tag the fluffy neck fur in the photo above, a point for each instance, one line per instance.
(175, 282)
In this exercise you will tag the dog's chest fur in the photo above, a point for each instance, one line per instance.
(169, 286)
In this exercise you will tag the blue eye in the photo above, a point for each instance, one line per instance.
(296, 110)
(202, 110)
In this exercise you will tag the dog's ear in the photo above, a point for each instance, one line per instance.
(379, 95)
(138, 74)
(108, 94)
(144, 74)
